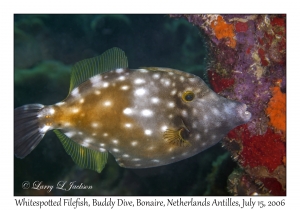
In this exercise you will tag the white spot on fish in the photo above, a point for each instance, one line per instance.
(134, 143)
(147, 113)
(154, 100)
(70, 134)
(127, 111)
(102, 145)
(115, 141)
(67, 124)
(105, 84)
(195, 111)
(125, 87)
(173, 92)
(171, 105)
(163, 128)
(139, 81)
(215, 111)
(125, 156)
(81, 101)
(88, 140)
(193, 80)
(119, 71)
(59, 103)
(97, 92)
(96, 80)
(105, 134)
(156, 161)
(115, 150)
(155, 76)
(95, 125)
(143, 70)
(51, 111)
(75, 110)
(181, 78)
(122, 78)
(75, 92)
(184, 113)
(85, 144)
(140, 92)
(136, 159)
(128, 125)
(102, 149)
(148, 132)
(166, 82)
(107, 103)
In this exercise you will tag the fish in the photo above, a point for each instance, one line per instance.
(146, 117)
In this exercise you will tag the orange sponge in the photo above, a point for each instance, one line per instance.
(276, 109)
(224, 30)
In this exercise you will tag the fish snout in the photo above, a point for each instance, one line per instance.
(243, 113)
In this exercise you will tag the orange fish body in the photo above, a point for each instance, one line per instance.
(145, 117)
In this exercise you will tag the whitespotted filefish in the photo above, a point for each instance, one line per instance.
(144, 117)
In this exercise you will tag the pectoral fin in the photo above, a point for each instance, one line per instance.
(177, 137)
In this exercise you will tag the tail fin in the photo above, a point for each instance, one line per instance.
(27, 133)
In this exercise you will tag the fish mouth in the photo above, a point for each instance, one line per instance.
(244, 114)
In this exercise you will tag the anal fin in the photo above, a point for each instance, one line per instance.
(82, 156)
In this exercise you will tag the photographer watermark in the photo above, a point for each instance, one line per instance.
(61, 185)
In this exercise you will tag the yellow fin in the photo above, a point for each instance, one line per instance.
(82, 156)
(109, 60)
(176, 137)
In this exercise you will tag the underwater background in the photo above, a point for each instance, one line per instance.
(46, 47)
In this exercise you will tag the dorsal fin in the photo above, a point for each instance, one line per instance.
(82, 156)
(83, 70)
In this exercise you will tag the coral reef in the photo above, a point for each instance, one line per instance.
(248, 63)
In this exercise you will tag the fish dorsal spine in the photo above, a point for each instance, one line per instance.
(113, 58)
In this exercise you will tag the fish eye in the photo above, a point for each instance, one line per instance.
(188, 96)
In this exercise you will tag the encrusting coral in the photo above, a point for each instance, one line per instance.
(247, 56)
